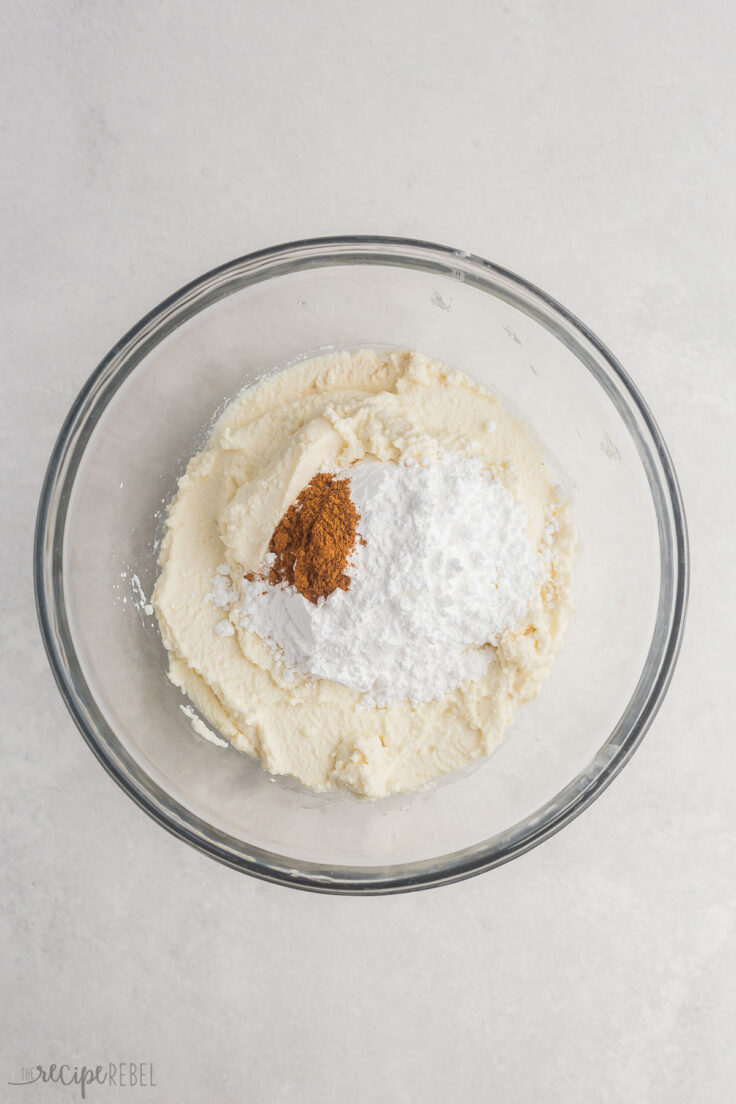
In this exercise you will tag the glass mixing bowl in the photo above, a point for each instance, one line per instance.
(147, 408)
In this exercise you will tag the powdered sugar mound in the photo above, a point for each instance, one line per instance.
(446, 568)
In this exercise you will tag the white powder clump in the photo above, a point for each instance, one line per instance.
(201, 728)
(140, 598)
(446, 569)
(223, 593)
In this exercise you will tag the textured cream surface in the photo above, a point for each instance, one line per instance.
(327, 413)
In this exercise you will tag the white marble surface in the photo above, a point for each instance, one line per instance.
(588, 146)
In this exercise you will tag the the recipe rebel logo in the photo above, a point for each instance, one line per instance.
(119, 1075)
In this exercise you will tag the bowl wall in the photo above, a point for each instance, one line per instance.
(150, 407)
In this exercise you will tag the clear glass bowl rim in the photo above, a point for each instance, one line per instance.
(266, 264)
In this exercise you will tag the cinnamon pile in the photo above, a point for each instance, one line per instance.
(314, 539)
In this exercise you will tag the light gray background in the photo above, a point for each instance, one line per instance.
(590, 147)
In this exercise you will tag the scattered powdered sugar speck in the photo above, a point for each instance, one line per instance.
(551, 530)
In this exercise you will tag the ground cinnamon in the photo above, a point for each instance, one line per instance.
(314, 539)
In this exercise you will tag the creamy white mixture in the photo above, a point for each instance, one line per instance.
(329, 414)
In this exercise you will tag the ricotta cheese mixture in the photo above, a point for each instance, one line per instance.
(446, 614)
